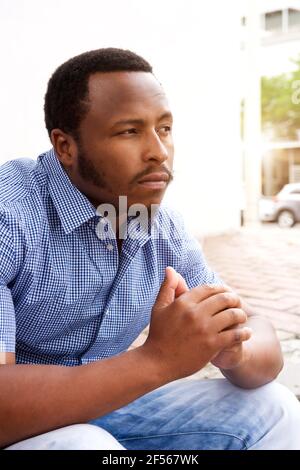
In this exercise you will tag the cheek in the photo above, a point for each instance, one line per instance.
(119, 174)
(126, 163)
(118, 163)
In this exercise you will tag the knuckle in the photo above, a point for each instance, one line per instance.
(198, 322)
(226, 299)
(202, 326)
(189, 314)
(237, 315)
(210, 342)
(232, 315)
(243, 315)
(209, 289)
(229, 299)
(181, 303)
(202, 292)
(237, 336)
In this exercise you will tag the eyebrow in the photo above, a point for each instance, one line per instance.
(166, 115)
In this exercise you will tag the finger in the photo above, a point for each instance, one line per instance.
(229, 318)
(200, 293)
(166, 294)
(182, 286)
(234, 336)
(216, 303)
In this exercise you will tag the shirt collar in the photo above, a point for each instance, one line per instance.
(73, 207)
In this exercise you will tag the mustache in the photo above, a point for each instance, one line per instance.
(162, 169)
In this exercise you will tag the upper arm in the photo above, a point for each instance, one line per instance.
(7, 311)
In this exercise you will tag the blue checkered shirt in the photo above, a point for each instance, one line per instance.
(66, 295)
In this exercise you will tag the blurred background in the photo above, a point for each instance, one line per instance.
(231, 71)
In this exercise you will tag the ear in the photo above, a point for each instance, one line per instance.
(65, 147)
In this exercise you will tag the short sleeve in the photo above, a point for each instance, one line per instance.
(7, 273)
(195, 269)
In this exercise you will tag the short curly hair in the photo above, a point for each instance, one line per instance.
(66, 99)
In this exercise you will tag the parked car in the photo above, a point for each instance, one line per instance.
(284, 208)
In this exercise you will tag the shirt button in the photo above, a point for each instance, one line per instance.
(109, 247)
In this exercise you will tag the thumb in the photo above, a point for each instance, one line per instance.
(182, 286)
(166, 294)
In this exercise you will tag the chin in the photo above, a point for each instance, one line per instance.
(150, 202)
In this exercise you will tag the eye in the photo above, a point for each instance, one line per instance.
(128, 131)
(165, 129)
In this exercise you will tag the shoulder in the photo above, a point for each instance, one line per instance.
(21, 206)
(18, 178)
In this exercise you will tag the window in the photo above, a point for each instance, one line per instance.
(273, 21)
(294, 19)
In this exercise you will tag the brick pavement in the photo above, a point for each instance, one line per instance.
(263, 265)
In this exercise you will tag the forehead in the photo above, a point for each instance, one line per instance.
(113, 95)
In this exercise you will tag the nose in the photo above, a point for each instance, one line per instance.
(155, 149)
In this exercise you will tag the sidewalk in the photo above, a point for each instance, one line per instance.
(263, 265)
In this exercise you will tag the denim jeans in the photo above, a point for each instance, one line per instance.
(208, 414)
(188, 415)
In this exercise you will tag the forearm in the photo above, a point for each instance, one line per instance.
(38, 398)
(263, 355)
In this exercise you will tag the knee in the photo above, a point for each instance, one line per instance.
(83, 437)
(280, 419)
(74, 437)
(281, 398)
(275, 404)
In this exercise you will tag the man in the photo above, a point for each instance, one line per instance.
(77, 287)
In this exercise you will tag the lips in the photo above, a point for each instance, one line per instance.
(154, 181)
(155, 177)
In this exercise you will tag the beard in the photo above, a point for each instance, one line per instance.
(89, 172)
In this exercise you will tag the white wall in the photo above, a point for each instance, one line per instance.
(194, 48)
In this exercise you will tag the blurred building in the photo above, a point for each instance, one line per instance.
(279, 35)
(279, 32)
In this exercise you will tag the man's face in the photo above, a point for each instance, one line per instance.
(125, 137)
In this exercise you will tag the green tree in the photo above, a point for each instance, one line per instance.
(280, 103)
